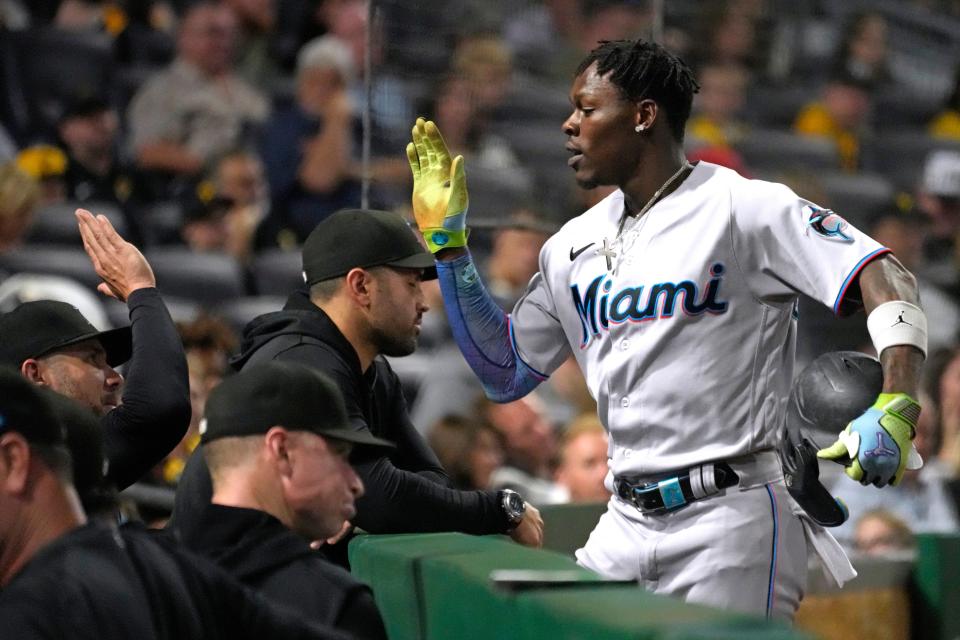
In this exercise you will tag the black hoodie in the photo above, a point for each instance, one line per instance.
(259, 551)
(406, 489)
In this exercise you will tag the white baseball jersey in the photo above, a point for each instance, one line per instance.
(687, 342)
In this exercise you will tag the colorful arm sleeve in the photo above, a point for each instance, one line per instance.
(483, 333)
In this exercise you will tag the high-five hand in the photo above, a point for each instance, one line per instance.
(439, 189)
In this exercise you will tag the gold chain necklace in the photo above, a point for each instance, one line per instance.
(608, 251)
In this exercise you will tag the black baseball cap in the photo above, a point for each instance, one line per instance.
(287, 394)
(25, 409)
(352, 238)
(40, 327)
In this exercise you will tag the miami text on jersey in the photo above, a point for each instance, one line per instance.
(598, 307)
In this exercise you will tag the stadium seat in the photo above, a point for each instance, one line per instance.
(775, 150)
(900, 156)
(205, 278)
(161, 222)
(55, 260)
(534, 142)
(44, 68)
(277, 272)
(857, 196)
(57, 224)
(239, 311)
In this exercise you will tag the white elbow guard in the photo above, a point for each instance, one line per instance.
(898, 323)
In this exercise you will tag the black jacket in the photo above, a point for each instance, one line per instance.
(99, 582)
(406, 490)
(155, 412)
(259, 551)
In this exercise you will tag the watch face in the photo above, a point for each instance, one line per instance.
(515, 504)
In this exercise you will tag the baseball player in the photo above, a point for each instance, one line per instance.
(677, 296)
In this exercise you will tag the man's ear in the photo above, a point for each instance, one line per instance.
(646, 115)
(32, 371)
(14, 463)
(278, 449)
(358, 286)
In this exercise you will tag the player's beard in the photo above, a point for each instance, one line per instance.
(393, 344)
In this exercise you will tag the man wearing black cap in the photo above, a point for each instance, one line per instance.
(88, 130)
(276, 441)
(62, 577)
(53, 345)
(364, 269)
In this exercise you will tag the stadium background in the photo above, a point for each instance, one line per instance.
(502, 70)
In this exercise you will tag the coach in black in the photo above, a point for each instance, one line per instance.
(62, 577)
(277, 442)
(364, 270)
(53, 345)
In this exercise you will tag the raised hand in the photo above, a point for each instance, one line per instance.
(120, 264)
(440, 198)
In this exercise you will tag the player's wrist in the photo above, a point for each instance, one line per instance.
(440, 238)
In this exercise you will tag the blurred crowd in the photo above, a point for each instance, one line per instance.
(216, 135)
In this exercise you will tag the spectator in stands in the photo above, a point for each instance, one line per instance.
(349, 318)
(198, 107)
(484, 62)
(390, 102)
(204, 228)
(945, 124)
(240, 177)
(904, 233)
(207, 341)
(582, 464)
(469, 450)
(881, 533)
(89, 132)
(90, 15)
(862, 51)
(514, 257)
(944, 374)
(716, 119)
(47, 165)
(543, 37)
(529, 445)
(840, 114)
(467, 133)
(257, 21)
(19, 196)
(277, 443)
(131, 585)
(308, 147)
(53, 345)
(938, 198)
(731, 32)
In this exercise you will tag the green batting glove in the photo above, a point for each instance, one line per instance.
(439, 189)
(876, 447)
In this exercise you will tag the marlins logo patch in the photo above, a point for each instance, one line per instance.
(827, 224)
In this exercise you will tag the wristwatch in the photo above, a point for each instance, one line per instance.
(513, 507)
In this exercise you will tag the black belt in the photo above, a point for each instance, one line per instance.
(675, 491)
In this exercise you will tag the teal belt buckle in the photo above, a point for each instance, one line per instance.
(671, 493)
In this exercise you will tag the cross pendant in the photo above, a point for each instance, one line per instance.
(608, 253)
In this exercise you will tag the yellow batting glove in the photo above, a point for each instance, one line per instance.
(439, 189)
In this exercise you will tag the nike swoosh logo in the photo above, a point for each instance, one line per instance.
(574, 254)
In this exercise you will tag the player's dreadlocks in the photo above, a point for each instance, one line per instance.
(642, 69)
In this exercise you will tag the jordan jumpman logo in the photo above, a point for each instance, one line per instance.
(900, 320)
(880, 451)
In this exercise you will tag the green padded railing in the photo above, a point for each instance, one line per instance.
(936, 593)
(438, 587)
